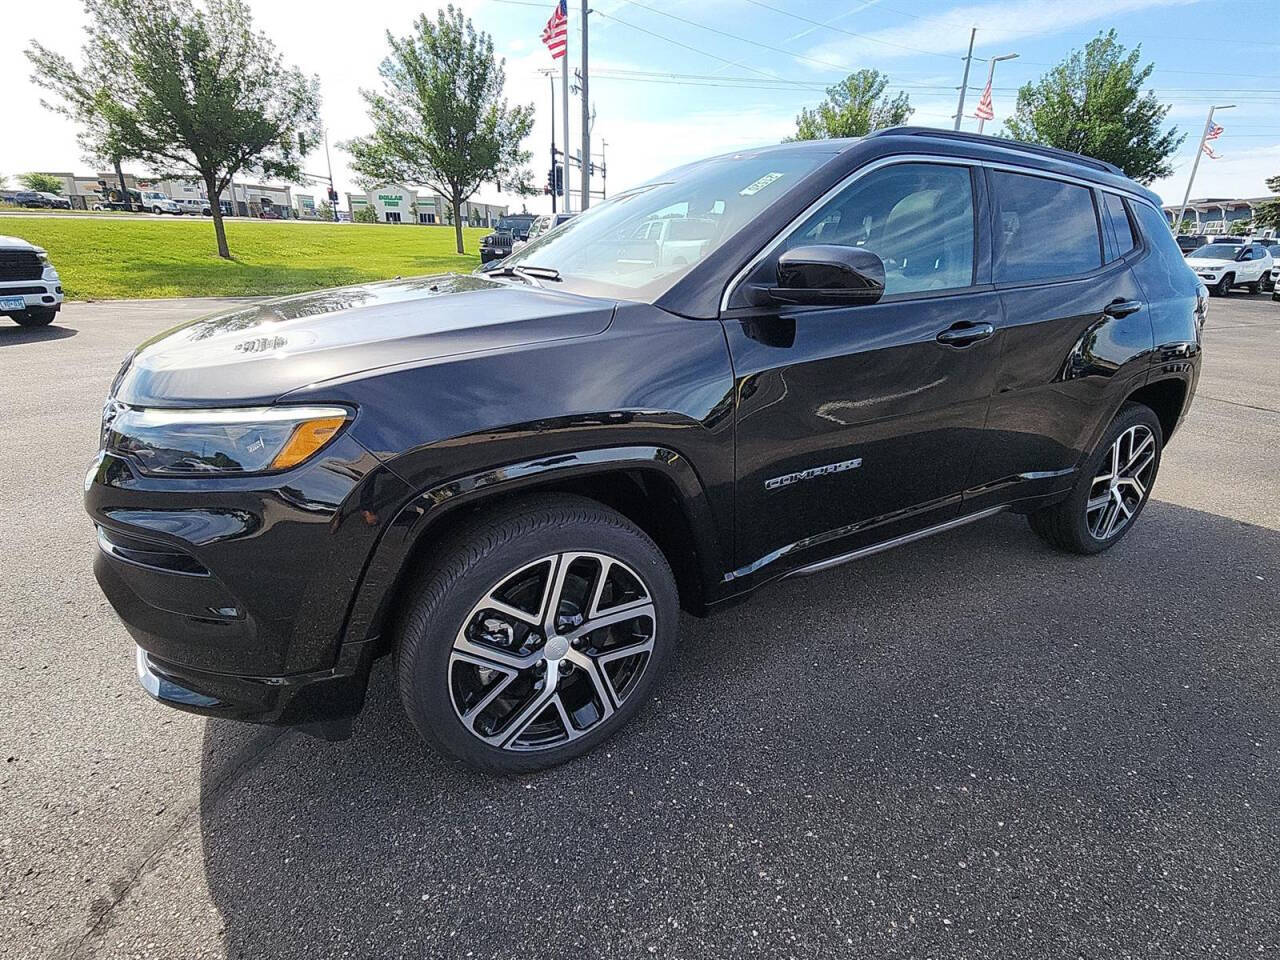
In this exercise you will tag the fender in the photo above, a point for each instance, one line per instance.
(417, 518)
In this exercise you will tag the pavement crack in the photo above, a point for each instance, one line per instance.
(241, 763)
(1237, 403)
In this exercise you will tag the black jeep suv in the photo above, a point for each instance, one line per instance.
(756, 366)
(510, 230)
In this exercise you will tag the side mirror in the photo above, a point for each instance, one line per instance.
(829, 275)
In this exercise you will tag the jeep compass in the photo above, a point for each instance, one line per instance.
(757, 366)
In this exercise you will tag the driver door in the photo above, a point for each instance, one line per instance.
(859, 423)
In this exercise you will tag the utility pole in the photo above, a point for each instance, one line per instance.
(564, 78)
(586, 118)
(333, 193)
(1204, 136)
(964, 84)
(604, 171)
(991, 73)
(552, 80)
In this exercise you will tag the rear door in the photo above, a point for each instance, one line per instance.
(858, 423)
(1075, 329)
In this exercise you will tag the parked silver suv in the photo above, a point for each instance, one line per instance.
(30, 289)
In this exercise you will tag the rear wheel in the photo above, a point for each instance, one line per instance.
(538, 634)
(1112, 488)
(1255, 286)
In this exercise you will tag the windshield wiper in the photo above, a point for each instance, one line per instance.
(541, 273)
(507, 272)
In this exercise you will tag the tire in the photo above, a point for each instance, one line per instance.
(35, 317)
(1074, 524)
(1223, 287)
(1255, 286)
(459, 656)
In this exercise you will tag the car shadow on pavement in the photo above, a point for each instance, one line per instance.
(14, 334)
(971, 746)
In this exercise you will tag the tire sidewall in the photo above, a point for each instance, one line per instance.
(1130, 415)
(424, 682)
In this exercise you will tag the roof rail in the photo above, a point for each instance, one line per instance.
(1001, 142)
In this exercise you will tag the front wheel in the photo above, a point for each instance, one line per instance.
(1112, 488)
(538, 634)
(1223, 286)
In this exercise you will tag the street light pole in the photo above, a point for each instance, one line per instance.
(964, 84)
(1204, 136)
(586, 118)
(991, 73)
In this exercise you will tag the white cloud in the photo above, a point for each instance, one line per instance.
(998, 22)
(1238, 173)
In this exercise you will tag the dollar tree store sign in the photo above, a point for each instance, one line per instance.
(389, 199)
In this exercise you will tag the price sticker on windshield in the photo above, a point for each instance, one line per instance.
(753, 188)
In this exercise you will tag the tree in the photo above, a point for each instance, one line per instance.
(1092, 103)
(1268, 214)
(441, 118)
(324, 211)
(44, 182)
(853, 108)
(187, 90)
(364, 215)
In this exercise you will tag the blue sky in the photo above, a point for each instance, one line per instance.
(674, 81)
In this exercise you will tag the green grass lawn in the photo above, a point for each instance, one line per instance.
(106, 259)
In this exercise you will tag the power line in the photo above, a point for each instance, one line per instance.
(860, 36)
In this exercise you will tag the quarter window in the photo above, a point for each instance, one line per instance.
(1117, 220)
(1044, 228)
(917, 217)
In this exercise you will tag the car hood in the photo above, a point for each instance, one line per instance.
(1207, 263)
(256, 354)
(15, 243)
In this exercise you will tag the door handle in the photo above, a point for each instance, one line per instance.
(1122, 308)
(964, 333)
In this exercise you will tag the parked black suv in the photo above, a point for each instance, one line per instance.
(513, 482)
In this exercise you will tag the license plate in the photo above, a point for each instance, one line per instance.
(13, 303)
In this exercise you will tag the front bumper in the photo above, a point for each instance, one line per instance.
(45, 292)
(236, 591)
(489, 254)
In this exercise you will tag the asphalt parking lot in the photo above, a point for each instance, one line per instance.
(968, 747)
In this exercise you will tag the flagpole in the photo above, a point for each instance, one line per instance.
(564, 103)
(991, 73)
(1204, 136)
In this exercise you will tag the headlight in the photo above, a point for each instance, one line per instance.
(196, 443)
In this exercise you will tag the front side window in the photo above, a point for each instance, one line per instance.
(1044, 228)
(917, 217)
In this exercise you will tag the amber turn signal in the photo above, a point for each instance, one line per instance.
(307, 439)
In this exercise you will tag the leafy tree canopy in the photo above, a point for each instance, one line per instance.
(441, 119)
(1092, 103)
(44, 182)
(854, 107)
(193, 91)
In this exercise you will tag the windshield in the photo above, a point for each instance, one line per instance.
(512, 223)
(1215, 251)
(638, 243)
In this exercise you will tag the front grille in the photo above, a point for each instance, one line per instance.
(11, 291)
(20, 265)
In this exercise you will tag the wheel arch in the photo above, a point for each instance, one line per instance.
(654, 487)
(1167, 398)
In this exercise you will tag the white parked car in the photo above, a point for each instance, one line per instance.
(158, 203)
(30, 289)
(194, 206)
(1225, 265)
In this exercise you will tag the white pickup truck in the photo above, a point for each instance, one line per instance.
(30, 288)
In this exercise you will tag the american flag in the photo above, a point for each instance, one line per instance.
(1214, 133)
(1208, 151)
(556, 33)
(985, 111)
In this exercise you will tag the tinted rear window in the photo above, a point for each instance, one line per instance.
(1118, 222)
(1045, 228)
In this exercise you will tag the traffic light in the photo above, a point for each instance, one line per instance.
(333, 195)
(555, 180)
